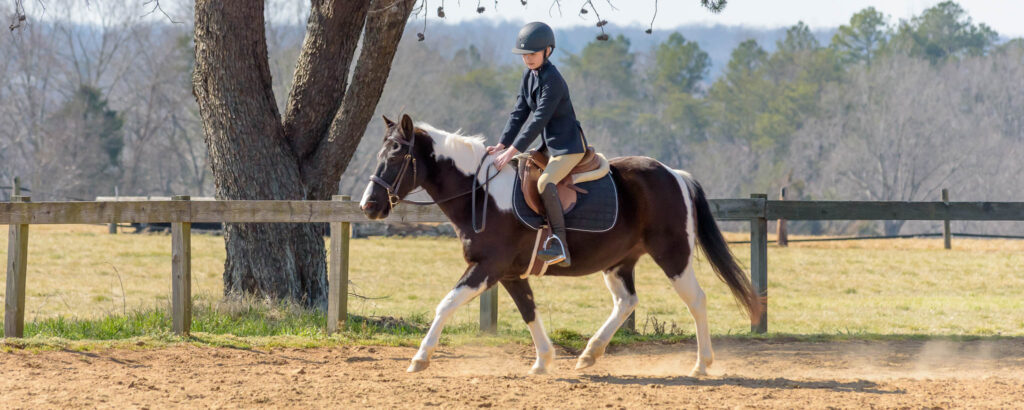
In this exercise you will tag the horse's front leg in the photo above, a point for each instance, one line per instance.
(521, 293)
(473, 282)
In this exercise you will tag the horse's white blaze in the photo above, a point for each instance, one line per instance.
(624, 303)
(457, 297)
(465, 152)
(689, 290)
(366, 194)
(545, 351)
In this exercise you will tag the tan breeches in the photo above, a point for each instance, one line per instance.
(558, 168)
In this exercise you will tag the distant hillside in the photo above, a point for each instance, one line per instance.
(494, 39)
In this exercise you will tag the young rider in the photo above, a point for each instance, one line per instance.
(544, 92)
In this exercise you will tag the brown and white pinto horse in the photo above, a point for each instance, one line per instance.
(663, 213)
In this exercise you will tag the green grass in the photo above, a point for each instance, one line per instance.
(249, 324)
(92, 289)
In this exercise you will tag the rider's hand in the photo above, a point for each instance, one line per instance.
(495, 148)
(505, 157)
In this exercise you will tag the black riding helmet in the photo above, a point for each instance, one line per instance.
(534, 37)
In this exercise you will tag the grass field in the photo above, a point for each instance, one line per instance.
(80, 277)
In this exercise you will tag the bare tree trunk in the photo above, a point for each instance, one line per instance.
(893, 227)
(254, 154)
(250, 157)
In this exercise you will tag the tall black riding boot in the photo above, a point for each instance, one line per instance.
(557, 249)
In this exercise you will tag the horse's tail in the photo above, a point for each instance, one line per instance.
(717, 251)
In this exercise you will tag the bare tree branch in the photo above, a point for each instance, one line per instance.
(553, 4)
(715, 6)
(600, 22)
(380, 41)
(651, 28)
(19, 18)
(319, 83)
(156, 6)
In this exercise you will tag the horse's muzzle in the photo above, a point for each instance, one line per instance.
(375, 210)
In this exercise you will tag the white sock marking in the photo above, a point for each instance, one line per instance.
(624, 303)
(457, 297)
(545, 350)
(689, 290)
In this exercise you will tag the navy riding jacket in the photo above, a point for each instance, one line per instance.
(544, 93)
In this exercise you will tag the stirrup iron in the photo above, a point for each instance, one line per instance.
(548, 255)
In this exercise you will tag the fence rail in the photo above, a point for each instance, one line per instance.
(340, 212)
(101, 212)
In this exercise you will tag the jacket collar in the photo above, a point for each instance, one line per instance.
(543, 67)
(536, 75)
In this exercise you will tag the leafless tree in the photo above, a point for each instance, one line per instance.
(896, 131)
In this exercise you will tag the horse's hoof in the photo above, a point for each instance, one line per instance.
(537, 370)
(417, 365)
(698, 372)
(585, 362)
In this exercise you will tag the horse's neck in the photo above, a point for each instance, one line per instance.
(445, 183)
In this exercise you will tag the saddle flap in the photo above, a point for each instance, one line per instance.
(593, 166)
(567, 195)
(594, 211)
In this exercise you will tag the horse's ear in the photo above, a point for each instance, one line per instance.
(407, 128)
(387, 122)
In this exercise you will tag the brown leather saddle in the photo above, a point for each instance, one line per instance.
(593, 166)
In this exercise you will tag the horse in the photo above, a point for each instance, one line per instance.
(662, 213)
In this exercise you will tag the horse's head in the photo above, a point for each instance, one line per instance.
(397, 171)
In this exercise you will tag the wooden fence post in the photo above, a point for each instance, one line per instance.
(181, 273)
(489, 310)
(630, 323)
(16, 189)
(337, 278)
(947, 236)
(759, 265)
(781, 232)
(17, 261)
(112, 227)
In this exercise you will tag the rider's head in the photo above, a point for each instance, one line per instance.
(535, 43)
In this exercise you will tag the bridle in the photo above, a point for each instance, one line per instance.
(392, 188)
(409, 159)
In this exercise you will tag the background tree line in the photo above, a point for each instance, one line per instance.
(874, 110)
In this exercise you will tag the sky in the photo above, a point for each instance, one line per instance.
(1004, 16)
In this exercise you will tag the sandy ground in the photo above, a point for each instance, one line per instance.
(777, 373)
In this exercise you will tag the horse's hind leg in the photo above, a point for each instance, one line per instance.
(689, 290)
(678, 266)
(521, 293)
(472, 283)
(619, 280)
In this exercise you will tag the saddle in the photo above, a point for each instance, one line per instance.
(592, 167)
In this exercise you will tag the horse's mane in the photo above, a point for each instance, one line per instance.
(464, 150)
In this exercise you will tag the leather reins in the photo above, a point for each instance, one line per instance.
(409, 159)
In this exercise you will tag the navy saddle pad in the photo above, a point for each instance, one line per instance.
(595, 211)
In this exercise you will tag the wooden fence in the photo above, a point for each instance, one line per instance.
(182, 212)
